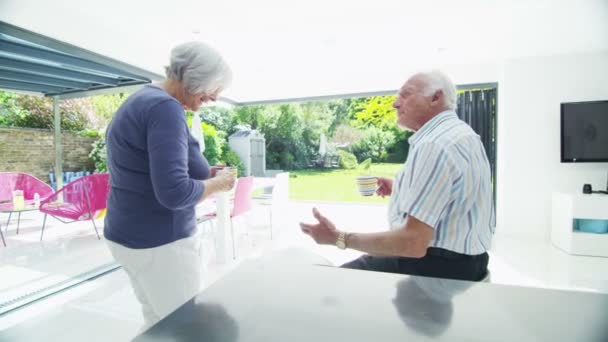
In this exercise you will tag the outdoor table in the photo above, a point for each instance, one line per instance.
(8, 208)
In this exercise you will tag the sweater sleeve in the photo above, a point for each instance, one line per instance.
(167, 141)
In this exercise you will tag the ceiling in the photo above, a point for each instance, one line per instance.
(286, 49)
(34, 63)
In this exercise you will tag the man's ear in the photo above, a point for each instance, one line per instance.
(438, 95)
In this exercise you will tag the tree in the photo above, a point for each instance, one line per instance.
(284, 146)
(76, 114)
(317, 117)
(391, 144)
(105, 106)
(344, 111)
(376, 111)
(37, 112)
(252, 116)
(346, 135)
(220, 117)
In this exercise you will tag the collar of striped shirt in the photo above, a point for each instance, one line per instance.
(431, 124)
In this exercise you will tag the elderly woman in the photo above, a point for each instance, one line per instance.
(157, 177)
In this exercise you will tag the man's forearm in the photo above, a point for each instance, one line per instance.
(390, 243)
(410, 241)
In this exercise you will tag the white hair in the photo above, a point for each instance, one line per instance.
(199, 67)
(436, 80)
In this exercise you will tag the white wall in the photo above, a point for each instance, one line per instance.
(530, 91)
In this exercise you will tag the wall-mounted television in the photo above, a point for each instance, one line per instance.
(584, 132)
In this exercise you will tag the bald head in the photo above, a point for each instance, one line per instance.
(422, 97)
(435, 81)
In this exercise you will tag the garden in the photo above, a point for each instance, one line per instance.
(355, 130)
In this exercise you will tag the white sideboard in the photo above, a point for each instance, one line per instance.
(566, 208)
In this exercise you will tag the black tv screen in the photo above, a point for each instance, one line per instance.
(584, 132)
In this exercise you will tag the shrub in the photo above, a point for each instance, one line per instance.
(374, 145)
(214, 143)
(10, 111)
(93, 133)
(230, 158)
(105, 106)
(37, 112)
(397, 153)
(99, 155)
(76, 114)
(214, 140)
(347, 160)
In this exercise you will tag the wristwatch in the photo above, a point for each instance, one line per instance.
(341, 240)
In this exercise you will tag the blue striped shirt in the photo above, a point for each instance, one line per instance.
(446, 183)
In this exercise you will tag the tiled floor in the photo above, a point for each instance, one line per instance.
(105, 309)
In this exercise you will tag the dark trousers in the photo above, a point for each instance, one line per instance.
(438, 263)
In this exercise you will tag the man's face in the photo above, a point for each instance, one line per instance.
(411, 105)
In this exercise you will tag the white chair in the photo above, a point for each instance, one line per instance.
(208, 227)
(2, 236)
(275, 199)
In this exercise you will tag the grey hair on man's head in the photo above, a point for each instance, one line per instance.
(199, 67)
(436, 80)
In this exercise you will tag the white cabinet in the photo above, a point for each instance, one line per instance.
(566, 208)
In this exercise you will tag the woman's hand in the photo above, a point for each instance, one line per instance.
(222, 181)
(225, 180)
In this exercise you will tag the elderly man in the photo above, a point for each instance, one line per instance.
(441, 212)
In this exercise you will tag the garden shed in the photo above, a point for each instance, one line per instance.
(250, 146)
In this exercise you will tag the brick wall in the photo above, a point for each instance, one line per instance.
(32, 151)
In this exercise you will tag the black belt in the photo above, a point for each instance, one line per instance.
(444, 253)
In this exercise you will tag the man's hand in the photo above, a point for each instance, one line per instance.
(324, 232)
(385, 187)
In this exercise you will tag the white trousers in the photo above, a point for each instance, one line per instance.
(163, 278)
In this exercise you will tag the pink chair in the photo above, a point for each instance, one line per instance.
(10, 181)
(81, 199)
(240, 205)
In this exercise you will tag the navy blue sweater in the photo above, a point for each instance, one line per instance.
(155, 168)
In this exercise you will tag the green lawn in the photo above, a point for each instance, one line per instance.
(335, 185)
